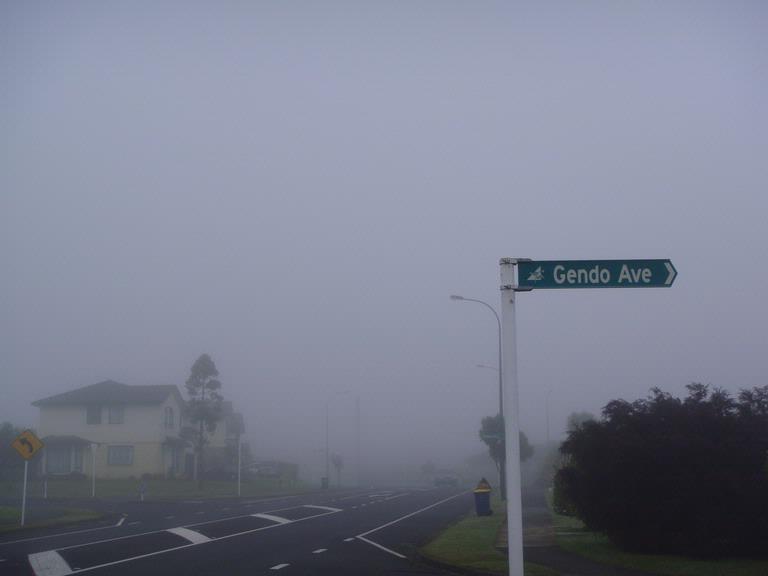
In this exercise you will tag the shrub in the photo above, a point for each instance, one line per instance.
(670, 475)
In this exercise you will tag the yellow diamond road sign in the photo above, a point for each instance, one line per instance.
(27, 444)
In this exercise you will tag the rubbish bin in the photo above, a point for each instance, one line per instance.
(483, 498)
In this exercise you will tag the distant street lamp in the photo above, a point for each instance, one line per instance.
(502, 468)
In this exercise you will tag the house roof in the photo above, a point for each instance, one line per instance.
(111, 392)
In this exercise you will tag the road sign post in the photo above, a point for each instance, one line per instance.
(27, 445)
(548, 274)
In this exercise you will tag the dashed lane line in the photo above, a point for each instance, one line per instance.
(279, 566)
(397, 496)
(319, 550)
(349, 539)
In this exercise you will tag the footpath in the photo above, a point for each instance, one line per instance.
(540, 546)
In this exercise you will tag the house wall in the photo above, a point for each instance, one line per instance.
(143, 428)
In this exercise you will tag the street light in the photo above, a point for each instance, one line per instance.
(502, 469)
(498, 323)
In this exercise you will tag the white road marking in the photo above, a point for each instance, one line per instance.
(270, 517)
(120, 522)
(49, 563)
(380, 547)
(348, 539)
(352, 497)
(59, 534)
(413, 514)
(279, 566)
(323, 508)
(49, 554)
(397, 496)
(133, 523)
(354, 507)
(319, 550)
(191, 535)
(157, 553)
(384, 548)
(264, 500)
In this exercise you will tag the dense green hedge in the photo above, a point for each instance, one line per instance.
(667, 475)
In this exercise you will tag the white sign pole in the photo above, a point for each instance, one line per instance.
(24, 494)
(511, 411)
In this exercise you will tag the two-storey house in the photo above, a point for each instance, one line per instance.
(128, 431)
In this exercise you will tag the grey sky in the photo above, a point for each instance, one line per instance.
(297, 187)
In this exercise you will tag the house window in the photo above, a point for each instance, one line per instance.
(115, 415)
(58, 459)
(168, 417)
(63, 459)
(93, 415)
(120, 455)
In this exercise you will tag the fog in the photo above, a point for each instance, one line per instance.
(296, 188)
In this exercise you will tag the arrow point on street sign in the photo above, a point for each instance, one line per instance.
(672, 273)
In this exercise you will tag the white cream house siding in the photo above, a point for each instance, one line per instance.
(135, 430)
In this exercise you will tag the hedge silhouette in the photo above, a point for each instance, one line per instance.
(667, 475)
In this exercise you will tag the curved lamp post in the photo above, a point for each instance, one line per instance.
(502, 471)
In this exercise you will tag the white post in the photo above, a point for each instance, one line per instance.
(511, 409)
(93, 470)
(239, 444)
(24, 494)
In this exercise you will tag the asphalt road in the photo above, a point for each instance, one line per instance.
(356, 532)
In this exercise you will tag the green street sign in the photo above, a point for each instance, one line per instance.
(535, 274)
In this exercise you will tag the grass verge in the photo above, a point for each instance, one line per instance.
(574, 537)
(469, 546)
(11, 517)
